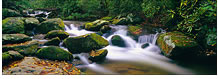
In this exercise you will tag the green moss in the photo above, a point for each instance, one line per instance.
(57, 33)
(85, 43)
(96, 25)
(134, 29)
(14, 38)
(54, 53)
(108, 18)
(9, 13)
(49, 25)
(121, 21)
(6, 58)
(105, 28)
(27, 48)
(98, 55)
(12, 25)
(31, 23)
(55, 41)
(15, 55)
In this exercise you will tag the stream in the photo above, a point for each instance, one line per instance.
(131, 59)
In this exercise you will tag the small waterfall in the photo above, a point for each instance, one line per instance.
(151, 38)
(38, 13)
(74, 31)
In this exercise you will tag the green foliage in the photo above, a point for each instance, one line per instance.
(152, 7)
(197, 18)
(124, 7)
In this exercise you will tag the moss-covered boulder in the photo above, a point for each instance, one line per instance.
(177, 45)
(28, 48)
(13, 25)
(31, 23)
(116, 40)
(96, 25)
(54, 53)
(98, 55)
(120, 21)
(57, 33)
(15, 55)
(14, 38)
(85, 43)
(54, 41)
(135, 30)
(9, 13)
(49, 25)
(6, 58)
(105, 28)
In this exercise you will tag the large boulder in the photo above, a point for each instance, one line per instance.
(15, 55)
(57, 33)
(49, 25)
(54, 53)
(176, 45)
(85, 43)
(31, 23)
(54, 41)
(9, 13)
(6, 58)
(96, 25)
(14, 38)
(13, 25)
(28, 48)
(135, 30)
(116, 40)
(98, 55)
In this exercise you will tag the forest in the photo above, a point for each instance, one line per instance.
(116, 36)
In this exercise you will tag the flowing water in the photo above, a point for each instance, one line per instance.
(131, 59)
(38, 12)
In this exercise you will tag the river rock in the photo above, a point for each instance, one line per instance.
(13, 25)
(177, 45)
(14, 38)
(145, 45)
(105, 28)
(15, 55)
(9, 13)
(54, 53)
(116, 40)
(31, 23)
(85, 43)
(120, 21)
(27, 48)
(49, 25)
(57, 33)
(98, 55)
(96, 25)
(54, 41)
(6, 58)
